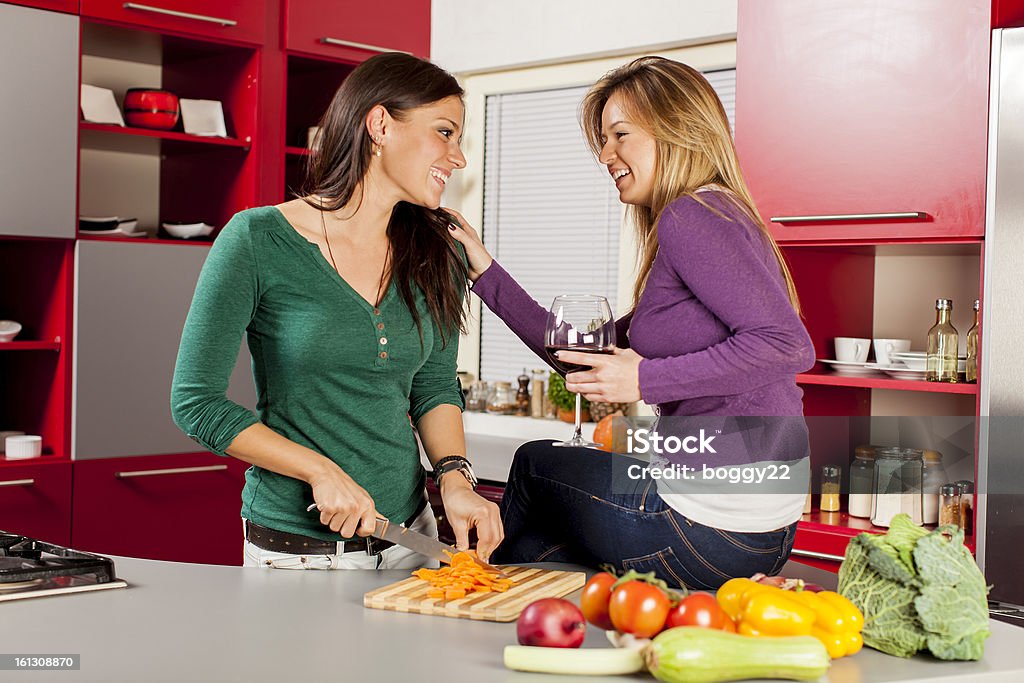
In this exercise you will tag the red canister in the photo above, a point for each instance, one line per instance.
(149, 108)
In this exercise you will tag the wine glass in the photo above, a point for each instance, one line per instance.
(581, 323)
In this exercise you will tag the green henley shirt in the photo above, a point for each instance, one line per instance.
(332, 372)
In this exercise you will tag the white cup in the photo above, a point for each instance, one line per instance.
(884, 347)
(852, 349)
(23, 447)
(3, 438)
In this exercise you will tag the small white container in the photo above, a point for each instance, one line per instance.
(3, 439)
(23, 447)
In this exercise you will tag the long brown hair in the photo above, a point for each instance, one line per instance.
(422, 252)
(677, 106)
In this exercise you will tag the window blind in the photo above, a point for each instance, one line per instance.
(551, 213)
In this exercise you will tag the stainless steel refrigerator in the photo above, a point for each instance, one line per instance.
(1000, 500)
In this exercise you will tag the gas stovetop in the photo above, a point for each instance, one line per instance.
(31, 568)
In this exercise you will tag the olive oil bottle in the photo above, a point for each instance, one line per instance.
(942, 345)
(972, 347)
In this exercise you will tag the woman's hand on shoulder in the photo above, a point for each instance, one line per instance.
(479, 259)
(613, 378)
(344, 505)
(465, 510)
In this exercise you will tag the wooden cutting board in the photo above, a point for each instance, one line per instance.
(531, 584)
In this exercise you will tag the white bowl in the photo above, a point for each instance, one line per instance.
(9, 329)
(187, 230)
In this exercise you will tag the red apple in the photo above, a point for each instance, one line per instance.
(551, 622)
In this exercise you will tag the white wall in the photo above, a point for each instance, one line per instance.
(485, 35)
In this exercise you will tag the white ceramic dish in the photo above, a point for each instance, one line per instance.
(843, 367)
(9, 329)
(187, 230)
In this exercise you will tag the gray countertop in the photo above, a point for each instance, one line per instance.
(185, 622)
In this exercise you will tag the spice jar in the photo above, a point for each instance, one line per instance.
(523, 395)
(934, 477)
(502, 399)
(477, 399)
(966, 505)
(899, 473)
(862, 474)
(537, 393)
(949, 507)
(831, 477)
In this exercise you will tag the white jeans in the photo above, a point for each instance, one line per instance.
(395, 557)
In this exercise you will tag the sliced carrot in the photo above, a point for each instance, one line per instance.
(461, 578)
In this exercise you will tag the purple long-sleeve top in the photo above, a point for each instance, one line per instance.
(714, 324)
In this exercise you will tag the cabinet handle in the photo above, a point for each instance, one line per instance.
(916, 215)
(173, 470)
(18, 482)
(816, 555)
(180, 15)
(362, 46)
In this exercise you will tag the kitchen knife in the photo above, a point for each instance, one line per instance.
(422, 544)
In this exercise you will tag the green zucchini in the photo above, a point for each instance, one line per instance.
(691, 654)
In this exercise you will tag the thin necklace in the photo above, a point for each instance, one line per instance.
(384, 270)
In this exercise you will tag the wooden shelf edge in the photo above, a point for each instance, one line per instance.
(872, 382)
(164, 135)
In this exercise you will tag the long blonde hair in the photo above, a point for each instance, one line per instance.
(677, 106)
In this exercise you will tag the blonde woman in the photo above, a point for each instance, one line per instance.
(714, 340)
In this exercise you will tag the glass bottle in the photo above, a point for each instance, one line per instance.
(934, 477)
(898, 477)
(537, 393)
(523, 395)
(942, 345)
(972, 347)
(949, 508)
(831, 477)
(862, 473)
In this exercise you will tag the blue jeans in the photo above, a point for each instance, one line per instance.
(562, 505)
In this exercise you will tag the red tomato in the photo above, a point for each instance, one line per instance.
(594, 601)
(698, 609)
(638, 608)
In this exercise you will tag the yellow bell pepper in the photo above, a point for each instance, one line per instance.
(761, 610)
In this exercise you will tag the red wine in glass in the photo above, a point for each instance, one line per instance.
(565, 367)
(581, 323)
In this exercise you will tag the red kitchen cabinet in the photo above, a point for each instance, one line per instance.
(240, 21)
(851, 111)
(352, 30)
(35, 499)
(68, 6)
(182, 508)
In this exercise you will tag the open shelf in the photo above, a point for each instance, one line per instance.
(834, 379)
(30, 346)
(162, 135)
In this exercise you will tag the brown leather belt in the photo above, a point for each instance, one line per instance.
(297, 544)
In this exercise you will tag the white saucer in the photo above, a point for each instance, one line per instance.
(844, 367)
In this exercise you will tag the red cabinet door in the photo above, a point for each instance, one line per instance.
(353, 30)
(35, 500)
(864, 108)
(241, 21)
(183, 508)
(69, 6)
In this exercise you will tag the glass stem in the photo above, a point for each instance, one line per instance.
(579, 419)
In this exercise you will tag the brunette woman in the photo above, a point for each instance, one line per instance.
(351, 302)
(714, 341)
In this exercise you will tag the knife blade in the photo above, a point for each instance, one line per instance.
(420, 543)
(423, 544)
